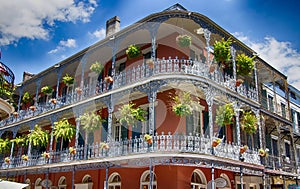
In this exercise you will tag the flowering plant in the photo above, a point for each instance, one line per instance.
(7, 160)
(78, 90)
(216, 142)
(104, 145)
(25, 157)
(263, 153)
(53, 100)
(182, 104)
(97, 67)
(72, 150)
(108, 79)
(68, 80)
(46, 90)
(133, 51)
(46, 155)
(243, 149)
(16, 114)
(148, 138)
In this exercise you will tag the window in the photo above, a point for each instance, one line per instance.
(274, 147)
(114, 181)
(293, 95)
(117, 132)
(145, 180)
(283, 113)
(27, 181)
(271, 104)
(298, 119)
(198, 180)
(62, 183)
(37, 184)
(287, 149)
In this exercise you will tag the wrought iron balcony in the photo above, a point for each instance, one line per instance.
(163, 144)
(164, 69)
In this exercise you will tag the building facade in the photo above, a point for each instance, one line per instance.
(157, 94)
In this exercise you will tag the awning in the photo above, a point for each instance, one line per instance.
(11, 185)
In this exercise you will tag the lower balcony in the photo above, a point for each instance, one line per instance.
(160, 144)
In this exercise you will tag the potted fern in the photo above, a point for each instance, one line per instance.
(27, 98)
(222, 51)
(249, 122)
(182, 104)
(184, 40)
(133, 51)
(244, 64)
(225, 115)
(64, 130)
(129, 114)
(97, 67)
(68, 80)
(47, 90)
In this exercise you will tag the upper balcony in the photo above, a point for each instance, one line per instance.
(181, 69)
(6, 89)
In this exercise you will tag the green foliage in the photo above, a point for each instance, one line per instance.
(222, 50)
(91, 121)
(249, 122)
(5, 145)
(133, 51)
(26, 97)
(97, 67)
(20, 141)
(182, 104)
(6, 89)
(47, 90)
(225, 115)
(38, 137)
(64, 129)
(184, 40)
(129, 114)
(68, 80)
(244, 64)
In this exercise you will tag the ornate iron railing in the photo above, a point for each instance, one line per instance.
(194, 144)
(163, 67)
(7, 78)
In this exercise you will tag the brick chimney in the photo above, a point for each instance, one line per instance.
(112, 25)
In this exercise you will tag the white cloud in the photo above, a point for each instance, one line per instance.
(63, 44)
(31, 19)
(99, 34)
(279, 54)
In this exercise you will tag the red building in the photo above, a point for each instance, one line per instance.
(152, 107)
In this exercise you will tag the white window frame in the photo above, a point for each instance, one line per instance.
(114, 184)
(202, 185)
(144, 176)
(60, 181)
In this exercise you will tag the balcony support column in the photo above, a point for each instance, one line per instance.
(59, 73)
(83, 63)
(32, 124)
(110, 108)
(260, 130)
(14, 131)
(233, 53)
(209, 95)
(106, 177)
(236, 107)
(78, 113)
(38, 85)
(20, 97)
(151, 174)
(152, 28)
(207, 39)
(256, 82)
(53, 119)
(274, 93)
(152, 95)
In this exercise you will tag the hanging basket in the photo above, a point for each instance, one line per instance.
(184, 40)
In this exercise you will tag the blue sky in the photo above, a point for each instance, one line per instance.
(36, 34)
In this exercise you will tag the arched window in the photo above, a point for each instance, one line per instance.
(37, 184)
(114, 181)
(228, 184)
(198, 180)
(62, 183)
(27, 181)
(145, 180)
(87, 179)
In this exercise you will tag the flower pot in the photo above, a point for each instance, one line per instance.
(242, 150)
(149, 141)
(239, 82)
(215, 144)
(32, 108)
(108, 79)
(53, 101)
(212, 68)
(16, 114)
(79, 90)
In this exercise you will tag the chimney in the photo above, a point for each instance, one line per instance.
(112, 25)
(27, 75)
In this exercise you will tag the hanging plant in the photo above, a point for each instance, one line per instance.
(225, 115)
(222, 51)
(249, 122)
(182, 104)
(64, 130)
(68, 80)
(5, 145)
(47, 90)
(263, 153)
(184, 40)
(97, 67)
(244, 64)
(38, 137)
(26, 98)
(129, 114)
(16, 114)
(32, 108)
(133, 51)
